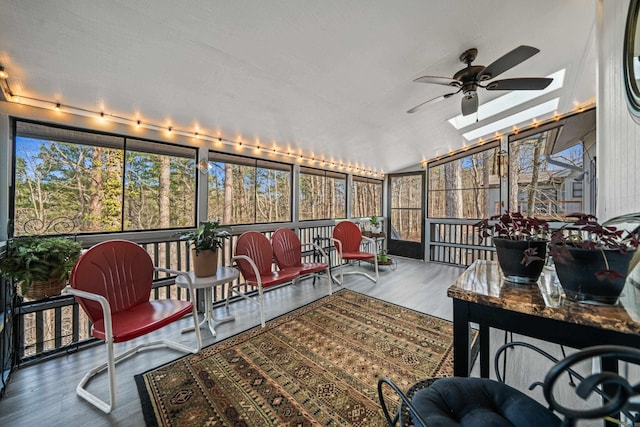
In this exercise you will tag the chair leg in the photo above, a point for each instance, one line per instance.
(110, 366)
(261, 305)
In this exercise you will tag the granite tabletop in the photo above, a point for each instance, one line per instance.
(483, 283)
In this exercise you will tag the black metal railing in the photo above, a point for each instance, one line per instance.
(46, 328)
(456, 241)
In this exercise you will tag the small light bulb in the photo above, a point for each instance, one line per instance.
(138, 124)
(58, 106)
(3, 73)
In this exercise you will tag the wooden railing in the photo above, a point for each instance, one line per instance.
(46, 328)
(456, 241)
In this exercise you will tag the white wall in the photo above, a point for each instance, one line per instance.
(618, 152)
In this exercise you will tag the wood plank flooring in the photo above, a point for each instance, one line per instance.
(44, 394)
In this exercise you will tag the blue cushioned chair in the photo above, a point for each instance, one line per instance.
(479, 402)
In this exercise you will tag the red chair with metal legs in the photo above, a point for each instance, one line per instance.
(112, 283)
(254, 259)
(347, 238)
(287, 250)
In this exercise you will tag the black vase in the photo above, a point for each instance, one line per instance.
(578, 276)
(510, 255)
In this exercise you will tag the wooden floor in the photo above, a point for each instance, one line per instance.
(44, 394)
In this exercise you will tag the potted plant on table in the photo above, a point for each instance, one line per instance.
(205, 242)
(592, 260)
(40, 265)
(375, 224)
(521, 244)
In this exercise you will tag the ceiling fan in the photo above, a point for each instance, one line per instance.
(470, 78)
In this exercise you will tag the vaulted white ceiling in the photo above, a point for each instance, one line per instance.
(333, 78)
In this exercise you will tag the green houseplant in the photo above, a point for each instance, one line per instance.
(521, 244)
(375, 224)
(205, 242)
(592, 260)
(41, 265)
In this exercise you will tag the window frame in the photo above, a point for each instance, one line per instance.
(255, 162)
(489, 145)
(306, 170)
(367, 180)
(124, 139)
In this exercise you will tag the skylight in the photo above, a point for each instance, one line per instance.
(508, 101)
(514, 119)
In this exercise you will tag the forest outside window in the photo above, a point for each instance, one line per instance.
(367, 197)
(244, 190)
(467, 186)
(322, 194)
(543, 184)
(73, 181)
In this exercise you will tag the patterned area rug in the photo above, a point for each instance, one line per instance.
(317, 365)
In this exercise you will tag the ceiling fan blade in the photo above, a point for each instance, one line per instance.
(507, 61)
(523, 83)
(436, 99)
(439, 81)
(469, 104)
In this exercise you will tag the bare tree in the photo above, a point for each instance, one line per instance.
(452, 185)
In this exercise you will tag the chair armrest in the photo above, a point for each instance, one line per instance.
(176, 273)
(106, 307)
(253, 265)
(405, 400)
(316, 247)
(187, 277)
(618, 402)
(371, 243)
(615, 403)
(338, 244)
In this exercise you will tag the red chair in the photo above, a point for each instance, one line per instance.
(347, 238)
(254, 259)
(112, 283)
(287, 250)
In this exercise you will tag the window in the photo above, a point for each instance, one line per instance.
(160, 186)
(245, 190)
(466, 187)
(576, 189)
(541, 184)
(72, 181)
(366, 196)
(322, 194)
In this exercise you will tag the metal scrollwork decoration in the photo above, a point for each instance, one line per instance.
(59, 225)
(631, 60)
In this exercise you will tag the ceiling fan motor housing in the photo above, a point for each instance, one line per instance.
(468, 77)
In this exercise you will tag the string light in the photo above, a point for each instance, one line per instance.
(535, 123)
(54, 105)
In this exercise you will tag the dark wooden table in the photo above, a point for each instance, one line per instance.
(480, 295)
